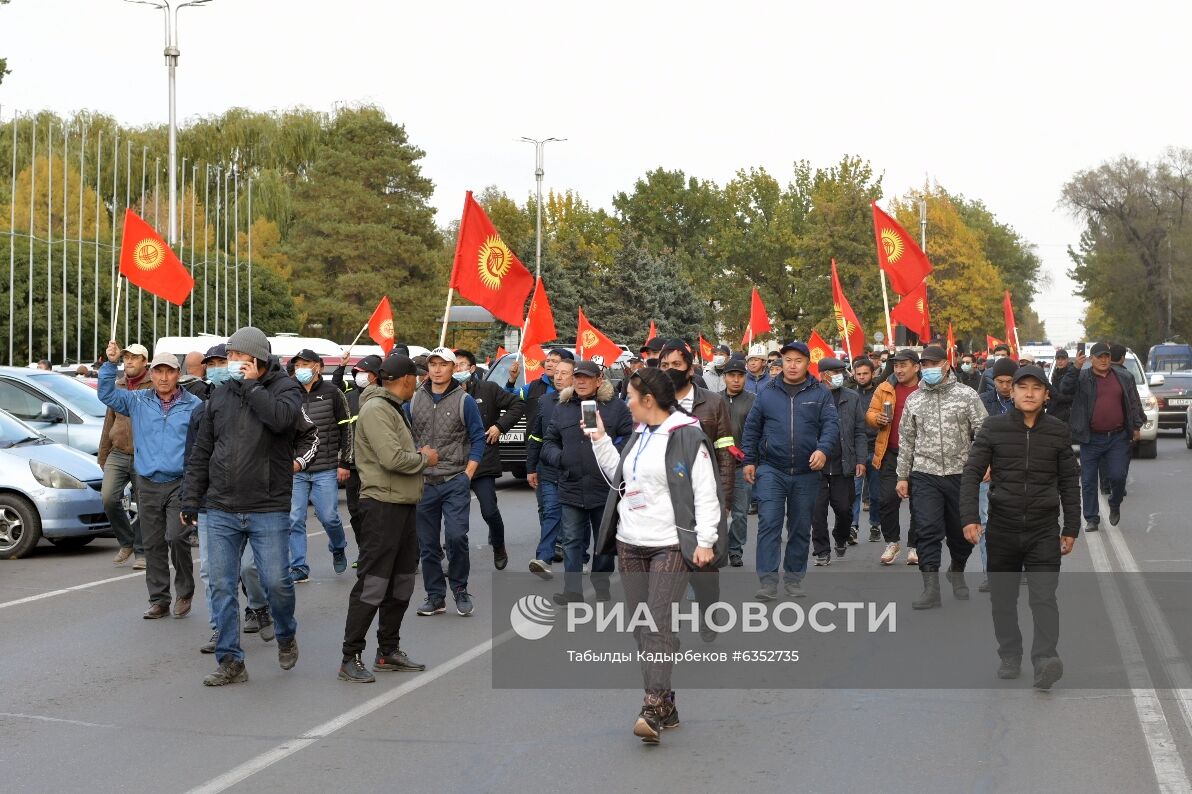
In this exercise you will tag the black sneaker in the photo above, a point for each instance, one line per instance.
(353, 670)
(852, 536)
(558, 553)
(1009, 668)
(432, 606)
(500, 558)
(463, 603)
(339, 561)
(567, 597)
(396, 662)
(1115, 515)
(266, 624)
(1092, 526)
(875, 534)
(670, 712)
(210, 646)
(649, 724)
(287, 653)
(1047, 672)
(299, 576)
(230, 671)
(251, 626)
(823, 559)
(735, 560)
(840, 550)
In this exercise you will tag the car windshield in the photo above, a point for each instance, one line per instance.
(13, 431)
(500, 371)
(80, 396)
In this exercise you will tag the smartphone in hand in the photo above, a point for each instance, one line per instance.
(588, 416)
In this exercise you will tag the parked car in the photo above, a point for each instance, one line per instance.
(47, 490)
(1173, 392)
(1148, 444)
(1169, 357)
(62, 407)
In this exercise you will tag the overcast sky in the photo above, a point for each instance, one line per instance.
(998, 101)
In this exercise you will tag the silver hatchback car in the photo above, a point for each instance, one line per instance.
(46, 490)
(60, 406)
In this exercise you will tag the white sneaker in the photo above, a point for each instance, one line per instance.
(891, 553)
(912, 556)
(541, 569)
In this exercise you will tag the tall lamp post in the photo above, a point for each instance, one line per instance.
(538, 174)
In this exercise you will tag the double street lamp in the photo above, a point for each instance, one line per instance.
(538, 174)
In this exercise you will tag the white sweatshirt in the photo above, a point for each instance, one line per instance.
(647, 516)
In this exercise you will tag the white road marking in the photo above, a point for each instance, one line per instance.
(65, 590)
(40, 718)
(288, 748)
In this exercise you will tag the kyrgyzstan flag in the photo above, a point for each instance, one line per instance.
(951, 347)
(1011, 326)
(846, 319)
(706, 351)
(380, 325)
(540, 322)
(904, 262)
(535, 357)
(146, 261)
(501, 351)
(486, 272)
(991, 342)
(913, 312)
(653, 332)
(819, 349)
(592, 343)
(759, 321)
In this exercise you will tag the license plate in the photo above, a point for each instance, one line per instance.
(510, 438)
(1180, 402)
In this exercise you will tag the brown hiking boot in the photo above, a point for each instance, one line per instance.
(122, 555)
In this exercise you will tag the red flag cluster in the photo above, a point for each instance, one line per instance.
(485, 271)
(907, 267)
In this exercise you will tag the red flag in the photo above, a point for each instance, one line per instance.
(846, 319)
(486, 272)
(759, 321)
(535, 356)
(706, 351)
(819, 350)
(897, 254)
(1011, 326)
(592, 343)
(146, 261)
(951, 347)
(991, 342)
(540, 322)
(653, 332)
(380, 325)
(501, 351)
(913, 312)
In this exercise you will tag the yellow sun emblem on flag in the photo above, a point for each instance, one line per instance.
(846, 328)
(494, 261)
(387, 329)
(919, 305)
(533, 363)
(892, 244)
(589, 339)
(816, 354)
(147, 255)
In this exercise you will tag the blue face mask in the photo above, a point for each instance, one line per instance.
(932, 375)
(967, 367)
(462, 377)
(304, 375)
(837, 381)
(217, 375)
(236, 370)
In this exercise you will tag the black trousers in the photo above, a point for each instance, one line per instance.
(1037, 551)
(384, 575)
(352, 486)
(839, 491)
(891, 502)
(936, 508)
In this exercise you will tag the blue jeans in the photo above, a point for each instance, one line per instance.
(550, 513)
(204, 575)
(983, 512)
(577, 530)
(1115, 448)
(444, 508)
(790, 498)
(872, 478)
(738, 527)
(322, 490)
(227, 534)
(248, 574)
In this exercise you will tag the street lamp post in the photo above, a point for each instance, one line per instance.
(538, 174)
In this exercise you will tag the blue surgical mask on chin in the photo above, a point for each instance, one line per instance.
(462, 377)
(932, 375)
(304, 375)
(236, 370)
(217, 375)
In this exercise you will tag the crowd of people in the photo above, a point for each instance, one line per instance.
(236, 449)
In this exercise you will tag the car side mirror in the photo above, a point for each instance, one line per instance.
(51, 413)
(1157, 379)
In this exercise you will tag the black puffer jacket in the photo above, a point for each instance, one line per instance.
(566, 447)
(327, 407)
(1034, 472)
(534, 461)
(1059, 405)
(243, 454)
(497, 407)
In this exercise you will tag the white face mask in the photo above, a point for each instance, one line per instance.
(362, 380)
(718, 361)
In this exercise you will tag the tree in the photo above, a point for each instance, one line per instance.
(3, 61)
(642, 286)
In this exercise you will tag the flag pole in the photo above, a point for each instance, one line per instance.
(116, 310)
(886, 302)
(446, 311)
(348, 354)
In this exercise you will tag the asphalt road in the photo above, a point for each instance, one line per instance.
(95, 696)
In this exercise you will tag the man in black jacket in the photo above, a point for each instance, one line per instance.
(544, 478)
(1060, 405)
(318, 485)
(1034, 472)
(1105, 419)
(242, 462)
(845, 465)
(865, 382)
(499, 411)
(739, 402)
(582, 487)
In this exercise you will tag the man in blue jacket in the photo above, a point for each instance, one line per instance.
(789, 435)
(160, 418)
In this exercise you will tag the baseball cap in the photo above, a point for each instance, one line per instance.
(396, 367)
(369, 364)
(829, 363)
(1100, 349)
(445, 353)
(906, 354)
(654, 345)
(589, 368)
(1026, 357)
(306, 354)
(1061, 353)
(796, 346)
(136, 349)
(723, 349)
(163, 360)
(933, 353)
(420, 363)
(735, 365)
(1031, 371)
(216, 351)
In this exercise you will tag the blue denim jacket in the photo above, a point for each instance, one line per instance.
(158, 439)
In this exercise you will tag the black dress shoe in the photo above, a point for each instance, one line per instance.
(500, 558)
(1115, 515)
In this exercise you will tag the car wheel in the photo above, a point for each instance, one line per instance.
(518, 471)
(69, 544)
(1148, 449)
(20, 526)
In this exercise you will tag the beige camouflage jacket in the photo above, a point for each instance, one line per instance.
(937, 428)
